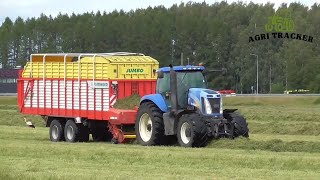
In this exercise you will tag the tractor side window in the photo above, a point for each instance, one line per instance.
(163, 84)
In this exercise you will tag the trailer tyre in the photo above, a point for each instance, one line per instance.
(149, 125)
(56, 131)
(71, 132)
(192, 131)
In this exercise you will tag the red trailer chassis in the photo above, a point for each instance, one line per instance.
(74, 98)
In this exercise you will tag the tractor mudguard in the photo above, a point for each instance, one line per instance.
(157, 99)
(226, 111)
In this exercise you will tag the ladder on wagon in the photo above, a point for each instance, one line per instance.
(29, 90)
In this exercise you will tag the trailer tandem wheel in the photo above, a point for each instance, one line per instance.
(74, 132)
(56, 131)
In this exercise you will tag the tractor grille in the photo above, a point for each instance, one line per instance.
(215, 104)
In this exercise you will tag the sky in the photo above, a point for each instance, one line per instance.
(33, 8)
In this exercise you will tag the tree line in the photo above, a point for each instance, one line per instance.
(214, 34)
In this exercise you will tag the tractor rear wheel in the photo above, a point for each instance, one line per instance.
(192, 131)
(149, 125)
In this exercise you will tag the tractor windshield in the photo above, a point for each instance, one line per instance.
(185, 81)
(191, 79)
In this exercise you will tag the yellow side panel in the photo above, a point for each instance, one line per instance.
(111, 67)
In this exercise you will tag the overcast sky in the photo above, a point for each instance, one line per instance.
(33, 8)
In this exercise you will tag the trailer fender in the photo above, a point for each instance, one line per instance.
(157, 99)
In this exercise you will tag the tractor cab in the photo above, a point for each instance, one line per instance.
(187, 77)
(191, 90)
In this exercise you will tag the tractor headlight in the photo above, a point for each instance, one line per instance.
(207, 106)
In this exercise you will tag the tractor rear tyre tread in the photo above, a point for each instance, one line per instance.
(157, 136)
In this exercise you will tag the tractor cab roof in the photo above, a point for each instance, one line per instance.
(182, 68)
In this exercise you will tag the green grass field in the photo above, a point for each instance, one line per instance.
(284, 143)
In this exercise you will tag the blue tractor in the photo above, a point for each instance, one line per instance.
(184, 110)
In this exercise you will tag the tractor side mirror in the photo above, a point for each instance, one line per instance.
(160, 74)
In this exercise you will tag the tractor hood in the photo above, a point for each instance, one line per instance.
(209, 102)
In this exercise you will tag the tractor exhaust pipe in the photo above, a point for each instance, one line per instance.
(173, 89)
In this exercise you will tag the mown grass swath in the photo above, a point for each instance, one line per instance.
(284, 144)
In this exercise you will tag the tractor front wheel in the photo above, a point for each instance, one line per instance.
(192, 131)
(240, 124)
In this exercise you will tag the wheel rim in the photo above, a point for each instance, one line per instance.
(70, 132)
(54, 132)
(145, 127)
(183, 132)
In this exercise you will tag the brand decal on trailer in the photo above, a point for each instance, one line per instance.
(134, 71)
(99, 84)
